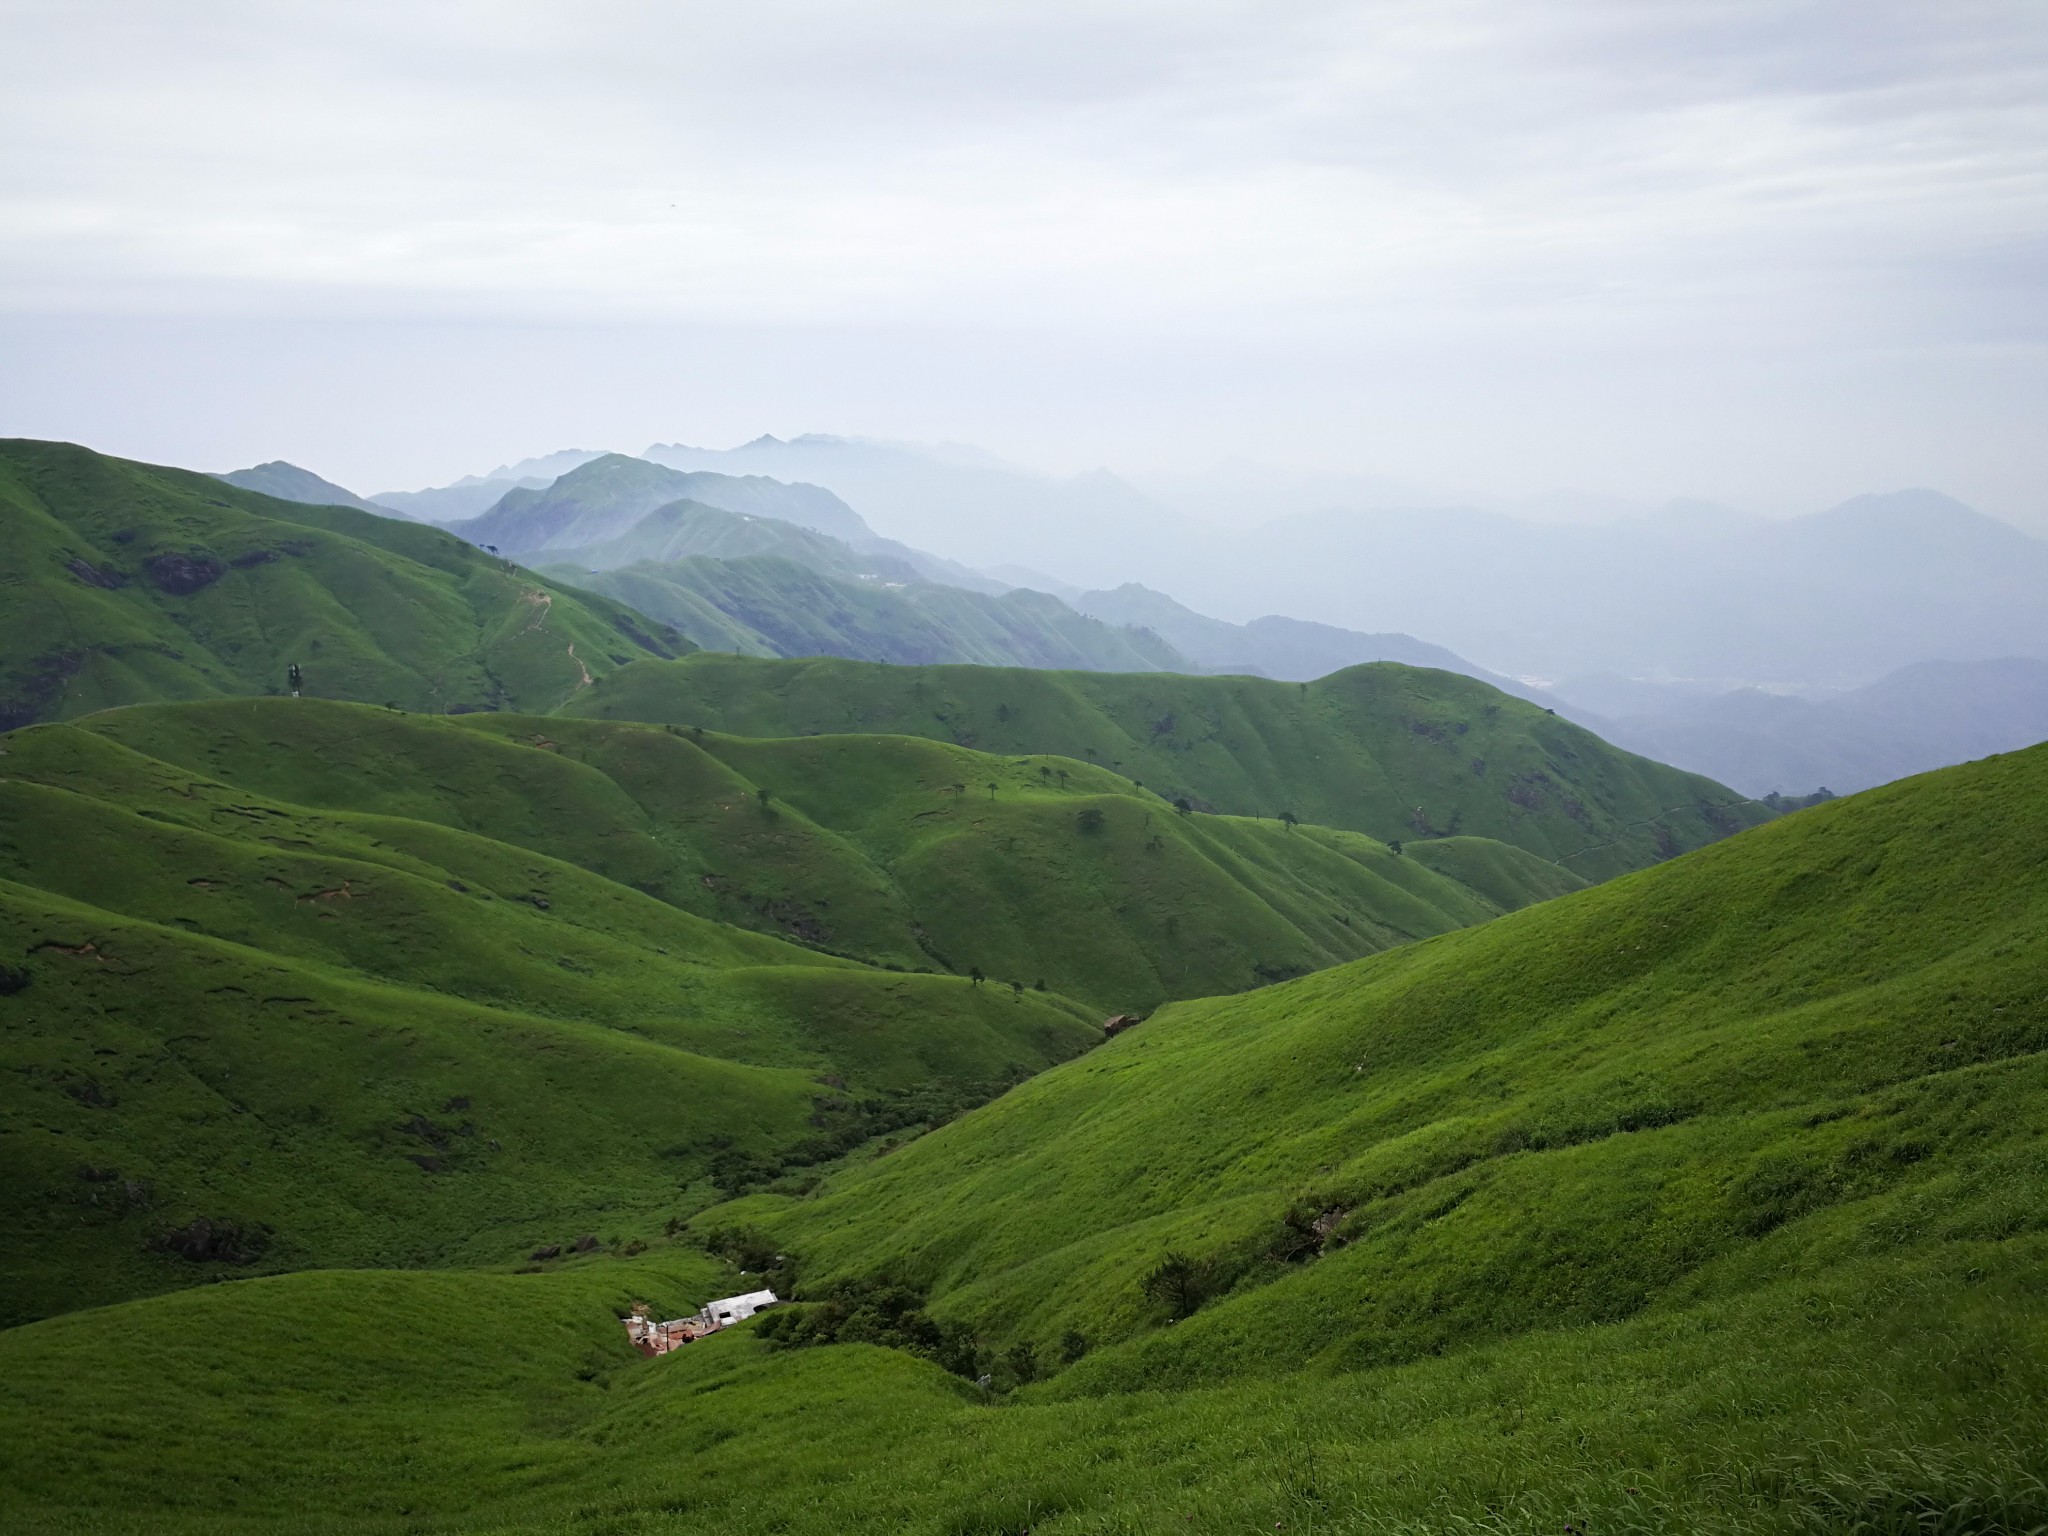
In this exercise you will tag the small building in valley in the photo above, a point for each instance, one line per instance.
(734, 1309)
(652, 1338)
(1117, 1023)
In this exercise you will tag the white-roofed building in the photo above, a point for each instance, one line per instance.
(735, 1309)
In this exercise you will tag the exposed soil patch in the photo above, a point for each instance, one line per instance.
(182, 575)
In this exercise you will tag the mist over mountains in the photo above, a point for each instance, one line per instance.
(1892, 633)
(1834, 599)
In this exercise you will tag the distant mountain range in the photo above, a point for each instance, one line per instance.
(1092, 529)
(1834, 600)
(761, 566)
(1921, 717)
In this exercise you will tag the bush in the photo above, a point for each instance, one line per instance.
(875, 1312)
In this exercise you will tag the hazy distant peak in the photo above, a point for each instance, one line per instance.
(288, 482)
(1922, 513)
(548, 466)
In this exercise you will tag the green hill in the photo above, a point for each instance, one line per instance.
(1709, 1199)
(773, 606)
(337, 1037)
(1394, 752)
(130, 582)
(892, 850)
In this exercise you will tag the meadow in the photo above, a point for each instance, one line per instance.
(1709, 1199)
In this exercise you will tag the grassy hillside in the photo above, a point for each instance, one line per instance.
(775, 606)
(242, 1033)
(1833, 1026)
(893, 850)
(1395, 752)
(130, 582)
(1710, 1199)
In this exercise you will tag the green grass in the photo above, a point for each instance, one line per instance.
(1816, 1043)
(231, 1007)
(1394, 752)
(887, 849)
(1709, 1199)
(129, 582)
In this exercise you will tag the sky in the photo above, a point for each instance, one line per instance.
(1767, 252)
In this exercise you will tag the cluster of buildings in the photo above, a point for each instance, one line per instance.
(652, 1338)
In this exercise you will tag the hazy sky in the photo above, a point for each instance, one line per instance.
(1774, 252)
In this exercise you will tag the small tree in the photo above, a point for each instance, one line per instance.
(1394, 849)
(1017, 990)
(1177, 1283)
(1090, 819)
(991, 789)
(1073, 1345)
(764, 797)
(1180, 803)
(975, 975)
(1289, 820)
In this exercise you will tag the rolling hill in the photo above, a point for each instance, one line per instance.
(1709, 1199)
(1395, 752)
(890, 850)
(245, 1033)
(132, 582)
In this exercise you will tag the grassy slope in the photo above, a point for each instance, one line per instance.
(1395, 752)
(1829, 1030)
(231, 1007)
(373, 608)
(775, 605)
(1710, 1199)
(888, 849)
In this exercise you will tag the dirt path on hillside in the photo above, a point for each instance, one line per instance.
(543, 604)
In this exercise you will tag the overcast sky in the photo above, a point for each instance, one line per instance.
(1774, 253)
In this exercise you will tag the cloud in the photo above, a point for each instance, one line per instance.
(1492, 182)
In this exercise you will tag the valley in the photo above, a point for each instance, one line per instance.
(1363, 1102)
